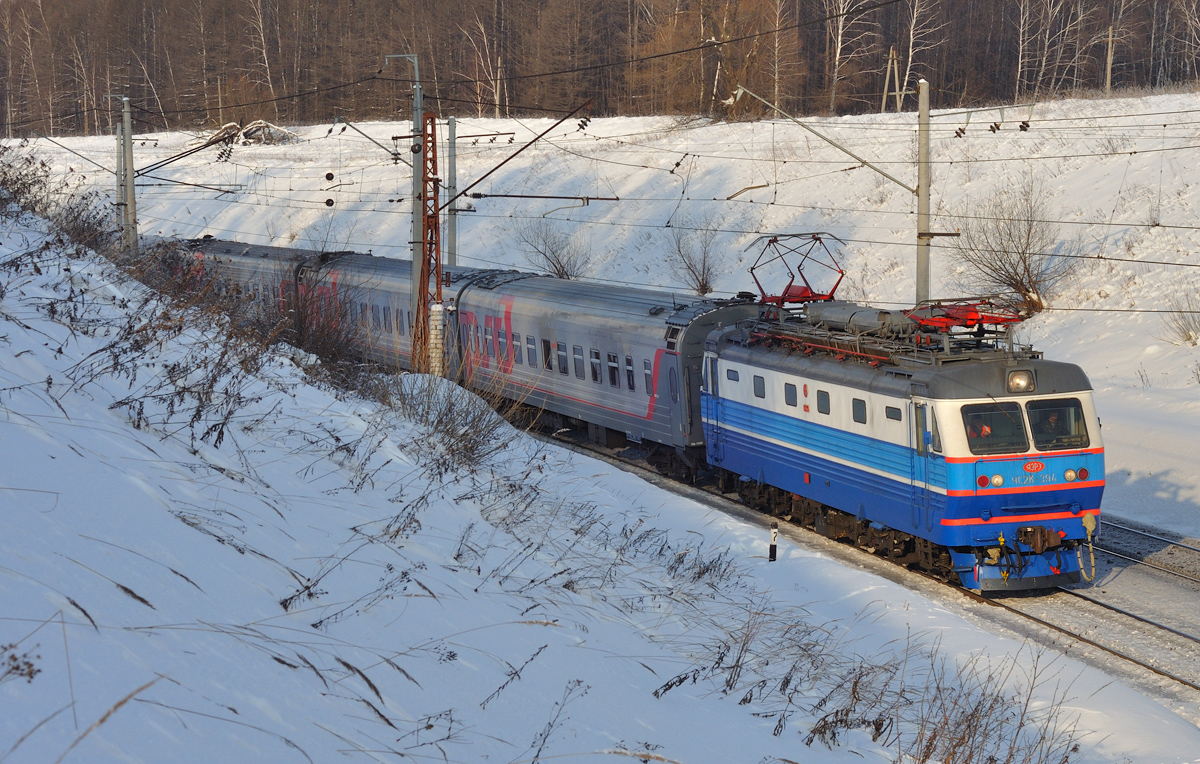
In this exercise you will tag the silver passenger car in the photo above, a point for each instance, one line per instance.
(625, 362)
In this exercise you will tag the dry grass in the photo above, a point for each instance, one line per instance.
(1182, 323)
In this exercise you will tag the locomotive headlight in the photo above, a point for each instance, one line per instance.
(997, 480)
(1069, 475)
(1020, 381)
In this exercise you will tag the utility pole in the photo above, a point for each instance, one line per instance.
(1108, 70)
(451, 191)
(887, 78)
(430, 306)
(119, 131)
(923, 232)
(131, 232)
(428, 312)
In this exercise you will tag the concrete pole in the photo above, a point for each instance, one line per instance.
(1108, 70)
(923, 236)
(418, 209)
(887, 78)
(120, 197)
(451, 191)
(131, 232)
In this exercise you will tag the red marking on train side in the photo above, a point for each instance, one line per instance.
(1034, 466)
(1020, 518)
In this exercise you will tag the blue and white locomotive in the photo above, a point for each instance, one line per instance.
(962, 455)
(953, 452)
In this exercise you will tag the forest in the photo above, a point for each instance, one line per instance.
(199, 63)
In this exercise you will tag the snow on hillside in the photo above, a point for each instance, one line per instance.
(331, 582)
(1116, 173)
(455, 612)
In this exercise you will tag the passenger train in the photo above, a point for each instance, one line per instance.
(923, 436)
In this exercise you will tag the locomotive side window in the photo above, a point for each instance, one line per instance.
(859, 407)
(376, 324)
(731, 375)
(937, 434)
(595, 358)
(629, 372)
(649, 377)
(502, 343)
(577, 350)
(1057, 424)
(489, 348)
(822, 401)
(995, 428)
(531, 349)
(548, 355)
(614, 370)
(387, 319)
(760, 387)
(789, 394)
(892, 413)
(562, 358)
(516, 349)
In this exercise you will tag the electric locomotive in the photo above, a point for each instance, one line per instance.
(954, 451)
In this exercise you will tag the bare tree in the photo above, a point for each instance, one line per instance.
(693, 256)
(1011, 248)
(923, 30)
(849, 38)
(257, 22)
(548, 248)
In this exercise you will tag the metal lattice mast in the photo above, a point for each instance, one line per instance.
(428, 353)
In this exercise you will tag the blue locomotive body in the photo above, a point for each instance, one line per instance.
(918, 447)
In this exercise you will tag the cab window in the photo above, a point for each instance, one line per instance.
(995, 428)
(1057, 424)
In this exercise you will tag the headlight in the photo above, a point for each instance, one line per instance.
(1069, 475)
(1020, 381)
(997, 480)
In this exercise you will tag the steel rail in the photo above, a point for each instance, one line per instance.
(1148, 535)
(1155, 566)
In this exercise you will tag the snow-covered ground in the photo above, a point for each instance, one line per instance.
(459, 614)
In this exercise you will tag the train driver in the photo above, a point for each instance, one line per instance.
(977, 429)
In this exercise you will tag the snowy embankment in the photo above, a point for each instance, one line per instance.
(334, 581)
(1116, 176)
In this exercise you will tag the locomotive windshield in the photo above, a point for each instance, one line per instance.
(1057, 424)
(995, 428)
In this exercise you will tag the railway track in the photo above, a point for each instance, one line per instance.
(1152, 550)
(1115, 618)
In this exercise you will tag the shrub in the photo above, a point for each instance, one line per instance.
(1012, 249)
